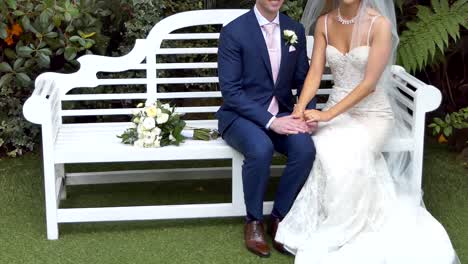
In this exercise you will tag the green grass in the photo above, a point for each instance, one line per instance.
(22, 221)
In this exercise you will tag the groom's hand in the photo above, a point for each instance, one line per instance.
(312, 127)
(288, 125)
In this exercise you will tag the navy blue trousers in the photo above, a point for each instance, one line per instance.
(258, 144)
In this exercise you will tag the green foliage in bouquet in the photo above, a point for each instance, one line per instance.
(155, 125)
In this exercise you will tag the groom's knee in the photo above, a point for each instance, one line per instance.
(260, 150)
(301, 149)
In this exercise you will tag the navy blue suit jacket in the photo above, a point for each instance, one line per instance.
(245, 75)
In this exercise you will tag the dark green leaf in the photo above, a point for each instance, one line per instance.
(438, 121)
(3, 31)
(448, 131)
(5, 67)
(26, 23)
(57, 20)
(44, 17)
(11, 4)
(18, 13)
(51, 35)
(5, 79)
(74, 38)
(10, 54)
(23, 78)
(44, 60)
(70, 53)
(24, 51)
(18, 63)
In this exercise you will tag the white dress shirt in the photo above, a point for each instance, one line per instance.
(277, 37)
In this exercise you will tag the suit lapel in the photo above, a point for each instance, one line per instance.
(284, 48)
(258, 38)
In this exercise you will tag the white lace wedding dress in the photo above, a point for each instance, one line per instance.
(348, 211)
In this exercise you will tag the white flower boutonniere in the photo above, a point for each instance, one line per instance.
(290, 37)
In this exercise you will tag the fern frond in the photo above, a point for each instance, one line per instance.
(432, 30)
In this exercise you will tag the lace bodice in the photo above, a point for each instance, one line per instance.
(348, 70)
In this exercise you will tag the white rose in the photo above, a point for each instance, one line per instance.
(151, 111)
(156, 131)
(150, 102)
(157, 142)
(149, 123)
(294, 39)
(289, 33)
(161, 119)
(139, 143)
(140, 129)
(148, 138)
(166, 106)
(158, 111)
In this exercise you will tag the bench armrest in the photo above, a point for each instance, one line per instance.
(39, 107)
(428, 98)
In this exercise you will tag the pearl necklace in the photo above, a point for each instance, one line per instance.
(345, 21)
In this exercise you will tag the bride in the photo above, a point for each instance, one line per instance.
(356, 206)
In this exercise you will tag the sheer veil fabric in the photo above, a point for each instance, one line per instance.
(380, 218)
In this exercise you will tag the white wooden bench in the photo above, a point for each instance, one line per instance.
(75, 143)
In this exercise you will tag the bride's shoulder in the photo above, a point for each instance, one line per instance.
(321, 20)
(381, 22)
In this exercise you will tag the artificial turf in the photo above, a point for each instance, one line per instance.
(22, 221)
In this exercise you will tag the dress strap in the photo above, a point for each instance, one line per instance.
(370, 29)
(326, 28)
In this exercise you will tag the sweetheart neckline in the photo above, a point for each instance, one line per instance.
(350, 51)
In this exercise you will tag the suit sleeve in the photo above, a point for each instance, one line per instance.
(302, 66)
(230, 81)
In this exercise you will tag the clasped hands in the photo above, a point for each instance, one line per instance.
(300, 121)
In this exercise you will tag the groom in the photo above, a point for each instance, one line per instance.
(258, 67)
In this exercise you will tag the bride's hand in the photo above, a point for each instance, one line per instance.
(317, 116)
(298, 112)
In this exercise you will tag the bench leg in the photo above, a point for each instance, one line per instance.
(60, 173)
(50, 200)
(237, 189)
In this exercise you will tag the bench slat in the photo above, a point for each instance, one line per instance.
(175, 51)
(96, 142)
(403, 87)
(129, 111)
(192, 36)
(194, 65)
(184, 80)
(402, 99)
(142, 96)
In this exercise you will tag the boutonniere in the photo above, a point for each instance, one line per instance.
(290, 37)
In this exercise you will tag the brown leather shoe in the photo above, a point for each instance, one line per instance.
(274, 222)
(254, 237)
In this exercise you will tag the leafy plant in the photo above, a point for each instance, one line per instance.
(445, 128)
(38, 36)
(430, 32)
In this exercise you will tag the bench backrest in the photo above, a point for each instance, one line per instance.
(187, 76)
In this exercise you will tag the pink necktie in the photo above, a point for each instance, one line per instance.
(273, 52)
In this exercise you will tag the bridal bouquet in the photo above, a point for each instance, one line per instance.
(157, 125)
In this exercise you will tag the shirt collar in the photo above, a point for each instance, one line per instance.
(262, 20)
